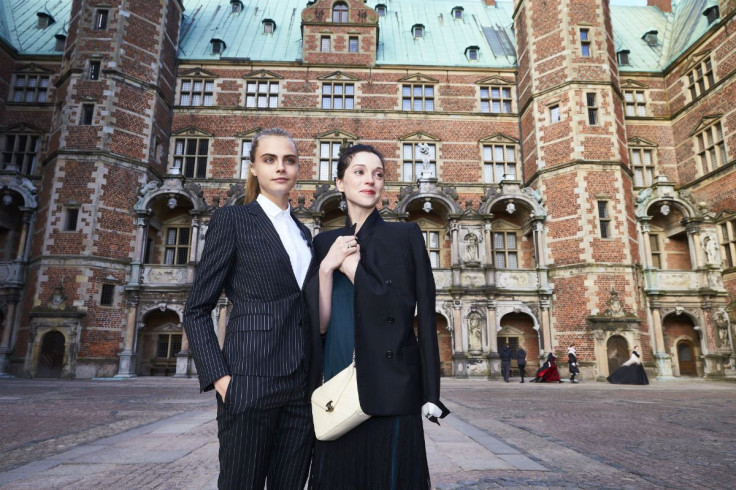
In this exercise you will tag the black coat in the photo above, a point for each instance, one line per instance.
(521, 357)
(397, 371)
(505, 353)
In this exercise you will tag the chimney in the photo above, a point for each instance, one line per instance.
(663, 5)
(490, 3)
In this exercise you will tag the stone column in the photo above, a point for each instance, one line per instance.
(494, 360)
(663, 360)
(182, 357)
(693, 233)
(194, 247)
(141, 222)
(23, 239)
(541, 258)
(5, 349)
(647, 259)
(546, 334)
(455, 253)
(459, 356)
(488, 266)
(128, 355)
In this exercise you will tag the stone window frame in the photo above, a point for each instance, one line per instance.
(86, 114)
(101, 19)
(435, 251)
(71, 218)
(622, 57)
(605, 222)
(586, 44)
(727, 235)
(647, 171)
(329, 146)
(170, 344)
(183, 159)
(325, 43)
(174, 252)
(700, 77)
(710, 145)
(107, 295)
(591, 106)
(205, 92)
(353, 44)
(245, 146)
(413, 162)
(258, 90)
(94, 69)
(551, 109)
(331, 96)
(505, 231)
(655, 247)
(35, 84)
(491, 166)
(409, 94)
(28, 156)
(633, 100)
(487, 96)
(340, 13)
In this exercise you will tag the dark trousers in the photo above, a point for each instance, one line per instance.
(522, 371)
(506, 369)
(265, 432)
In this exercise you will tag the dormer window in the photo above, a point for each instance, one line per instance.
(44, 20)
(218, 46)
(472, 53)
(457, 13)
(381, 10)
(269, 26)
(623, 57)
(340, 13)
(650, 37)
(236, 6)
(60, 42)
(417, 30)
(712, 14)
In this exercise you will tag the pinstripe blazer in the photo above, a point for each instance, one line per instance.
(268, 332)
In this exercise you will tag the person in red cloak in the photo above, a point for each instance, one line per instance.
(548, 372)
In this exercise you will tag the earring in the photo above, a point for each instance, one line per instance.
(343, 206)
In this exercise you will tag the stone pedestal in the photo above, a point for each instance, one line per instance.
(459, 365)
(127, 365)
(5, 363)
(494, 366)
(664, 367)
(183, 361)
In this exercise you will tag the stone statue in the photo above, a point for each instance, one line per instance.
(474, 333)
(423, 149)
(710, 246)
(471, 248)
(721, 320)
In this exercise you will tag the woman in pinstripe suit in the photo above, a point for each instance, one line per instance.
(259, 254)
(364, 284)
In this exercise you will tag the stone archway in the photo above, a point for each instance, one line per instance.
(444, 340)
(51, 356)
(159, 342)
(617, 349)
(681, 338)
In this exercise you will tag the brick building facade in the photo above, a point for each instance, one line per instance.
(570, 162)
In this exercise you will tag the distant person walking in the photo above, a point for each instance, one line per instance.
(521, 362)
(548, 373)
(572, 362)
(505, 355)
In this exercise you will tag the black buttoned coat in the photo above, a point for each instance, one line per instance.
(397, 370)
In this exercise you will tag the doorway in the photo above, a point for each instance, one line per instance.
(618, 352)
(51, 357)
(686, 358)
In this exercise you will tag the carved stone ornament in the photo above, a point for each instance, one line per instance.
(710, 248)
(615, 308)
(722, 322)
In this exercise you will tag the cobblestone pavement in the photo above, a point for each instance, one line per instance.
(160, 433)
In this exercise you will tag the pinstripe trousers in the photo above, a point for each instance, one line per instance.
(265, 432)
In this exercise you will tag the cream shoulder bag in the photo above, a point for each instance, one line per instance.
(336, 406)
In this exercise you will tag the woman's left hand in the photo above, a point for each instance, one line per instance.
(350, 264)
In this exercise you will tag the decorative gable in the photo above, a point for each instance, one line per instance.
(197, 133)
(500, 138)
(632, 84)
(337, 135)
(705, 122)
(418, 78)
(198, 73)
(339, 76)
(419, 136)
(33, 68)
(494, 80)
(263, 75)
(695, 59)
(637, 141)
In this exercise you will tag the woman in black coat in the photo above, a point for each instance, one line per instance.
(364, 285)
(631, 372)
(572, 363)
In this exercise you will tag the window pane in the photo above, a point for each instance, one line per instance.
(511, 241)
(407, 172)
(513, 261)
(171, 236)
(488, 173)
(408, 153)
(429, 105)
(500, 260)
(434, 239)
(498, 241)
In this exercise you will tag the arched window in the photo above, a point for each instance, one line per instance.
(340, 13)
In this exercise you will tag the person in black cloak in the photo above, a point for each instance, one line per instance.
(572, 361)
(548, 373)
(631, 372)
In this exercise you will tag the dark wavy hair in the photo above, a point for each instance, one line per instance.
(347, 155)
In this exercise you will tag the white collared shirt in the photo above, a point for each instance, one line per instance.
(291, 237)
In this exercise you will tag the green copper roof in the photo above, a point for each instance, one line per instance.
(19, 25)
(445, 40)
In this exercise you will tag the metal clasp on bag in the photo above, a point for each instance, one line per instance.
(330, 406)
